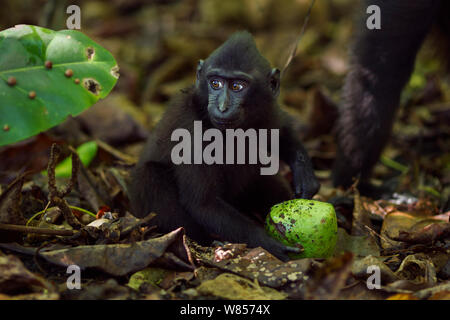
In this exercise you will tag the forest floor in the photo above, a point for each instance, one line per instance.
(404, 232)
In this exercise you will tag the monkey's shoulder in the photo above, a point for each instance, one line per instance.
(178, 115)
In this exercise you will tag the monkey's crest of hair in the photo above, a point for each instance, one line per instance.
(239, 52)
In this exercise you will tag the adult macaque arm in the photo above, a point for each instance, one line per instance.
(381, 63)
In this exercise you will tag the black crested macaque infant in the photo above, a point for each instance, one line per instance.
(382, 61)
(236, 88)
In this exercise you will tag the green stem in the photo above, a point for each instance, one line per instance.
(71, 207)
(431, 191)
(394, 164)
(84, 211)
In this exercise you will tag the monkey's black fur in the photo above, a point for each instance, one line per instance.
(235, 88)
(382, 62)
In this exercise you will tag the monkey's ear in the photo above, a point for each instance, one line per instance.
(275, 81)
(199, 68)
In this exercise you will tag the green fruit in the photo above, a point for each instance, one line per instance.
(311, 223)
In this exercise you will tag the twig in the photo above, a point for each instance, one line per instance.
(57, 197)
(141, 222)
(294, 48)
(24, 229)
(351, 285)
(359, 217)
(376, 234)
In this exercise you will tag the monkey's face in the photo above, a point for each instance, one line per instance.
(236, 99)
(227, 92)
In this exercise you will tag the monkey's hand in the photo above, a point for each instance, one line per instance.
(275, 247)
(304, 181)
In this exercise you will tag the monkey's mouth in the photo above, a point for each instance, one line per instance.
(225, 123)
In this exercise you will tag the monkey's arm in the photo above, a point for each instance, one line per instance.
(294, 154)
(200, 197)
(382, 61)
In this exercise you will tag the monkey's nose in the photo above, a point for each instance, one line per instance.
(223, 102)
(223, 105)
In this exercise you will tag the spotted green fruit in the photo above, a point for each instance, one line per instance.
(310, 223)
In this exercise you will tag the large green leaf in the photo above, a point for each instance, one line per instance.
(25, 52)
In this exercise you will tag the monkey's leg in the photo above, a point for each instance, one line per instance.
(203, 202)
(382, 62)
(231, 225)
(153, 189)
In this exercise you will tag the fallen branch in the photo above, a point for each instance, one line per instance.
(24, 229)
(57, 197)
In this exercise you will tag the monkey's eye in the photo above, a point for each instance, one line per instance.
(216, 84)
(237, 86)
